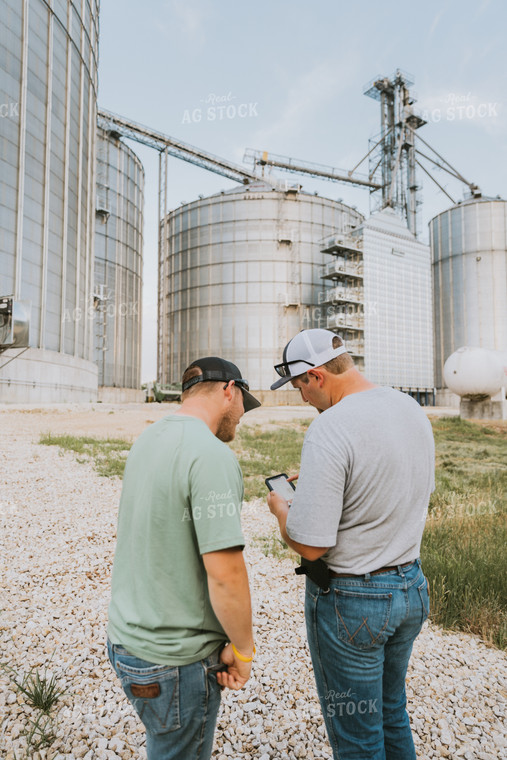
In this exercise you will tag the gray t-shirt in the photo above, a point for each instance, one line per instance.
(367, 472)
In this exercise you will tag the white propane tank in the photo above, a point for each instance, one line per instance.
(475, 373)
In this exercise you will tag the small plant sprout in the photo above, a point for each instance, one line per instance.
(40, 691)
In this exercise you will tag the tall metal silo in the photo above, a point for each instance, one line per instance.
(241, 275)
(469, 251)
(48, 89)
(118, 267)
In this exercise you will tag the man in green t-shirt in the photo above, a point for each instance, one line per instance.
(179, 586)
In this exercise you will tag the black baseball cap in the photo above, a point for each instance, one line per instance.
(220, 370)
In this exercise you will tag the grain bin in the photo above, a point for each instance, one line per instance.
(118, 267)
(469, 252)
(48, 85)
(240, 275)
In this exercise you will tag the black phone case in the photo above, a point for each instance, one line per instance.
(280, 475)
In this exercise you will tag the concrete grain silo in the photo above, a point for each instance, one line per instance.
(48, 83)
(469, 252)
(241, 275)
(118, 269)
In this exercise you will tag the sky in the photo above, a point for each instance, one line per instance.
(288, 76)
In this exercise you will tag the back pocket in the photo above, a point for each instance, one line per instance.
(362, 619)
(154, 693)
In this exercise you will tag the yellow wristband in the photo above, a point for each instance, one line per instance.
(240, 656)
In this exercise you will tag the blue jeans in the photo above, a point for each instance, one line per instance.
(177, 705)
(360, 635)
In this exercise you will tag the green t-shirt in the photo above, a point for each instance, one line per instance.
(181, 498)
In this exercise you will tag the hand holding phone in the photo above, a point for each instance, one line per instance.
(280, 485)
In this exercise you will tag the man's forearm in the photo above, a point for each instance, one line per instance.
(308, 552)
(281, 516)
(230, 599)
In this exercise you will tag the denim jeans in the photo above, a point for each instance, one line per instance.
(361, 634)
(177, 705)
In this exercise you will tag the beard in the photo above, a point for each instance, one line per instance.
(226, 430)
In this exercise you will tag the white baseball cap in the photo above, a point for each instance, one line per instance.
(308, 349)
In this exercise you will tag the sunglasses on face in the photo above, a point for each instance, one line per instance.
(283, 369)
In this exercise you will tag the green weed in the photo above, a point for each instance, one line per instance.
(108, 454)
(41, 733)
(40, 691)
(273, 546)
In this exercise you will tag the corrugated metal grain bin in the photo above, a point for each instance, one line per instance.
(48, 88)
(241, 275)
(118, 263)
(469, 251)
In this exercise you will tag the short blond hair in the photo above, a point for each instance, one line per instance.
(336, 366)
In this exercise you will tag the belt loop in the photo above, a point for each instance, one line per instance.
(400, 571)
(367, 576)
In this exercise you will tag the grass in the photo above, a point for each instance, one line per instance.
(463, 548)
(268, 451)
(107, 454)
(273, 546)
(41, 693)
(471, 469)
(464, 560)
(261, 452)
(40, 734)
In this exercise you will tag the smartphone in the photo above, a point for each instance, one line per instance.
(280, 485)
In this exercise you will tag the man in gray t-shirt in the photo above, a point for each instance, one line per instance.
(367, 472)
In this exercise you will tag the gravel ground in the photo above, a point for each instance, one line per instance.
(57, 537)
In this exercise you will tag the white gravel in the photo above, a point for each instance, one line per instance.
(57, 537)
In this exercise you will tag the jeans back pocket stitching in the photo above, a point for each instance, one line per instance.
(374, 639)
(144, 705)
(162, 721)
(351, 638)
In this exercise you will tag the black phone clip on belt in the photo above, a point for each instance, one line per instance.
(317, 571)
